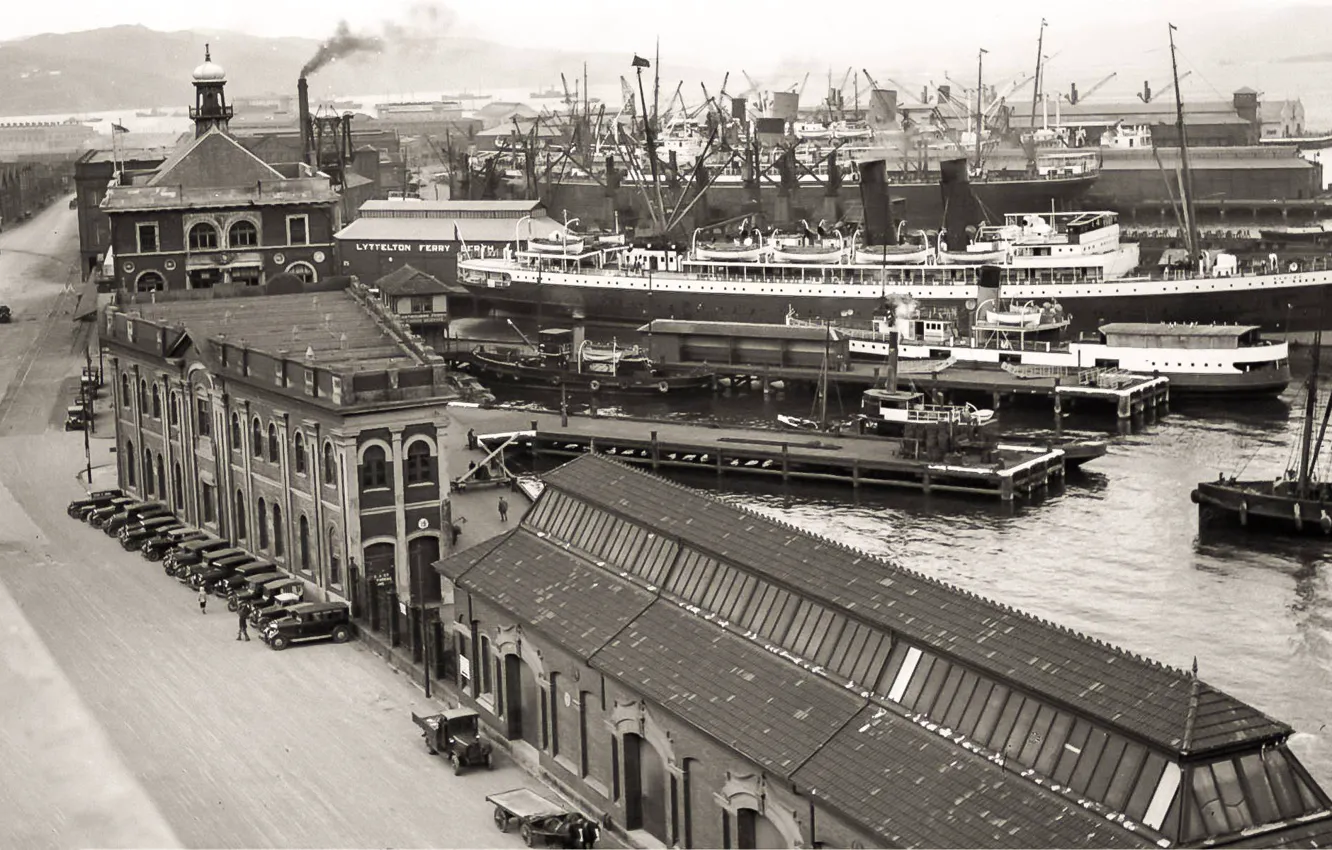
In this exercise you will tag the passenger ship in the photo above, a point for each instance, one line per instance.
(1074, 258)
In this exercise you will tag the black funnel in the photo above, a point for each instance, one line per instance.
(880, 229)
(960, 208)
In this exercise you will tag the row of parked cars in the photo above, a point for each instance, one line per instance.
(275, 600)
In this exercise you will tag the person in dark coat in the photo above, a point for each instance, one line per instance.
(244, 613)
(503, 509)
(471, 438)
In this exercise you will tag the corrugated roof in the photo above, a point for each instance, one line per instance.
(1118, 688)
(578, 605)
(1149, 329)
(332, 325)
(443, 229)
(871, 771)
(382, 208)
(1316, 833)
(772, 712)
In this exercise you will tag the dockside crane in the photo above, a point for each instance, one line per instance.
(1074, 95)
(1147, 95)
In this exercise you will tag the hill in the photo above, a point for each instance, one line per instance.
(134, 67)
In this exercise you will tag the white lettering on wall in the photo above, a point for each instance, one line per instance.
(405, 247)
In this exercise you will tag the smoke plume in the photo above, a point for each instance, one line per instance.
(425, 24)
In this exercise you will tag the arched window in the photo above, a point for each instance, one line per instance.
(279, 539)
(334, 558)
(130, 460)
(304, 271)
(157, 402)
(272, 443)
(203, 237)
(330, 464)
(243, 234)
(150, 282)
(298, 450)
(261, 516)
(173, 410)
(143, 396)
(147, 471)
(237, 438)
(374, 469)
(203, 416)
(178, 486)
(418, 463)
(126, 399)
(257, 438)
(304, 534)
(240, 515)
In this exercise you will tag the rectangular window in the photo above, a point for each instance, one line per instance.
(209, 506)
(1105, 768)
(422, 304)
(961, 699)
(1068, 759)
(971, 716)
(1004, 726)
(1020, 737)
(930, 690)
(203, 417)
(1145, 787)
(1054, 743)
(994, 704)
(1091, 753)
(148, 243)
(298, 230)
(947, 693)
(1125, 775)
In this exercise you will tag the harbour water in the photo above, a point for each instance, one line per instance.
(1114, 554)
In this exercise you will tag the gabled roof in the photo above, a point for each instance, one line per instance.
(870, 771)
(1120, 689)
(213, 160)
(409, 280)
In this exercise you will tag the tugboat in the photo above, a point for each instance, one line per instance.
(1293, 502)
(564, 361)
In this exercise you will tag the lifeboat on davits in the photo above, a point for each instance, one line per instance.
(555, 245)
(807, 253)
(892, 254)
(990, 255)
(728, 253)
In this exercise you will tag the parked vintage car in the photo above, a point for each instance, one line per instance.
(283, 605)
(245, 580)
(76, 417)
(455, 734)
(133, 534)
(210, 560)
(191, 552)
(155, 548)
(94, 500)
(4, 314)
(280, 591)
(96, 516)
(209, 576)
(322, 621)
(134, 513)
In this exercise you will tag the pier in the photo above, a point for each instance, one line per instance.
(859, 461)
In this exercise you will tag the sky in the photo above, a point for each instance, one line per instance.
(759, 32)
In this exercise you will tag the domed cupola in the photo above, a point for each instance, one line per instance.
(210, 99)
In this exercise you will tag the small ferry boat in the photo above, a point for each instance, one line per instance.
(561, 363)
(1029, 340)
(1290, 502)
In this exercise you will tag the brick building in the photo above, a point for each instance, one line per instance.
(706, 677)
(93, 173)
(214, 213)
(304, 427)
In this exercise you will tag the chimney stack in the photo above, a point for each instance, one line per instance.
(307, 129)
(879, 226)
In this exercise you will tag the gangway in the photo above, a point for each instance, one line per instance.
(491, 470)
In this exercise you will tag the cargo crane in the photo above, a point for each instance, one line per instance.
(1074, 95)
(1147, 95)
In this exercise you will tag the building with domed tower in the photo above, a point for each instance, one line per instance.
(213, 214)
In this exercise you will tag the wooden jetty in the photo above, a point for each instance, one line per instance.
(1002, 473)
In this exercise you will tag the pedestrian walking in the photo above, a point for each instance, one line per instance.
(203, 601)
(471, 438)
(244, 612)
(503, 509)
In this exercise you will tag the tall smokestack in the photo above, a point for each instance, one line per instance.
(960, 208)
(879, 226)
(890, 379)
(307, 127)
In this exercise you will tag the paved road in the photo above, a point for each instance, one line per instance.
(129, 719)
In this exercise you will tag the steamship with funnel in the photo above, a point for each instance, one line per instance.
(1076, 259)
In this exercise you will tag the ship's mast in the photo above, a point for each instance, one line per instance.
(1310, 403)
(1036, 84)
(1190, 216)
(980, 102)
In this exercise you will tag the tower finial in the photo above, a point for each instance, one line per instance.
(208, 54)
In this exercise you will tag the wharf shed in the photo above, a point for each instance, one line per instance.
(429, 235)
(706, 677)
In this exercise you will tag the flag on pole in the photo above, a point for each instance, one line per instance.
(1172, 26)
(640, 62)
(118, 128)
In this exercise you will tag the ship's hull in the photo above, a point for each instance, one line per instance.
(923, 200)
(1281, 303)
(539, 377)
(1258, 506)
